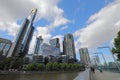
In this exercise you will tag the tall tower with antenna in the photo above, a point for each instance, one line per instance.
(21, 43)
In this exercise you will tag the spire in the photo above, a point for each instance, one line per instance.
(32, 14)
(34, 10)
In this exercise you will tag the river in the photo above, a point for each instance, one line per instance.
(40, 76)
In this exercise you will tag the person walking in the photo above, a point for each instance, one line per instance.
(93, 69)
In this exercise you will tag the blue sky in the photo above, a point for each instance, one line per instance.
(93, 23)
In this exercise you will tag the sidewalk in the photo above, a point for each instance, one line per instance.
(83, 75)
(106, 75)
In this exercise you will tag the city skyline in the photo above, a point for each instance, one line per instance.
(84, 19)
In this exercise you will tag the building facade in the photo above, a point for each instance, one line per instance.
(38, 58)
(68, 46)
(55, 42)
(20, 46)
(39, 41)
(47, 50)
(84, 56)
(5, 45)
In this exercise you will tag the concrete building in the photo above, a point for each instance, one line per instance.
(20, 46)
(84, 56)
(68, 46)
(5, 45)
(38, 45)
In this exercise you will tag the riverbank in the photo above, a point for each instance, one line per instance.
(70, 75)
(34, 72)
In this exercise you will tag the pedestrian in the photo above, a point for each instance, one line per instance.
(93, 69)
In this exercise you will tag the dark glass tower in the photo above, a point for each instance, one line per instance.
(38, 44)
(21, 43)
(68, 46)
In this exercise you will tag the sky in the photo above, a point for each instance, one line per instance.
(93, 23)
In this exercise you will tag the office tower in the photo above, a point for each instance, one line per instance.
(38, 58)
(21, 43)
(47, 50)
(84, 56)
(5, 45)
(68, 46)
(55, 42)
(38, 44)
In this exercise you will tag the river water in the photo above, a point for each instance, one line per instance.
(40, 76)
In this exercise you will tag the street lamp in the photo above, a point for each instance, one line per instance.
(111, 54)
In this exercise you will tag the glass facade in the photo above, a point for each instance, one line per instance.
(5, 46)
(55, 42)
(47, 50)
(84, 56)
(37, 45)
(68, 46)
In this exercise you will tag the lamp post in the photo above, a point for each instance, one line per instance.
(111, 54)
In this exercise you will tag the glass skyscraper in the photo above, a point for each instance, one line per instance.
(68, 46)
(55, 42)
(84, 56)
(5, 45)
(21, 43)
(38, 45)
(47, 50)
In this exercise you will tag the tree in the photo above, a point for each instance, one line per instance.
(40, 67)
(49, 66)
(116, 49)
(32, 66)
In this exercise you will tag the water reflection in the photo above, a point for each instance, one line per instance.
(42, 76)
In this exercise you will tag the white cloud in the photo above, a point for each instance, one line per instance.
(45, 33)
(13, 10)
(102, 27)
(64, 27)
(10, 27)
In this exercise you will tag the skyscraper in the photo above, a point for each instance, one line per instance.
(21, 43)
(68, 46)
(55, 42)
(84, 56)
(5, 45)
(38, 44)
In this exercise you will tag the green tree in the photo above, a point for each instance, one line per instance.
(40, 67)
(116, 49)
(55, 66)
(49, 66)
(32, 66)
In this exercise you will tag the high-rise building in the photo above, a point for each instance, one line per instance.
(55, 42)
(47, 50)
(5, 45)
(38, 44)
(68, 46)
(84, 56)
(21, 43)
